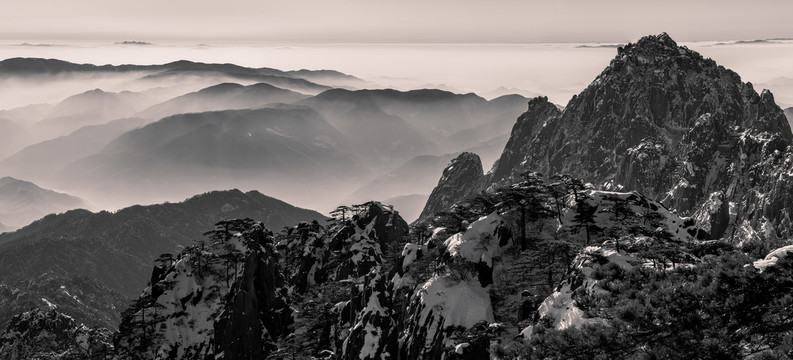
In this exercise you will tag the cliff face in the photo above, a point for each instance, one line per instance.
(341, 284)
(462, 177)
(527, 127)
(203, 302)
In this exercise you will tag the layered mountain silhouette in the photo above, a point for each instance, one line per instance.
(91, 108)
(51, 156)
(13, 137)
(189, 152)
(649, 218)
(223, 97)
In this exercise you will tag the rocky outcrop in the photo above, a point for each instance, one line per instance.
(663, 120)
(341, 284)
(460, 178)
(48, 334)
(523, 132)
(224, 298)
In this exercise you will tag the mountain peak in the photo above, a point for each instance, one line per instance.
(462, 176)
(663, 39)
(651, 48)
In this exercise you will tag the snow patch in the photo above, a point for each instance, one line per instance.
(462, 303)
(773, 257)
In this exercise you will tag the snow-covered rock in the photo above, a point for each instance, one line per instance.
(48, 334)
(773, 257)
(225, 300)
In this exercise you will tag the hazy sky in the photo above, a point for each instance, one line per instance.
(434, 21)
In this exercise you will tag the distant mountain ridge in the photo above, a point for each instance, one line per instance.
(22, 202)
(37, 66)
(223, 97)
(116, 250)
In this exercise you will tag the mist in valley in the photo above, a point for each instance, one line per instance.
(164, 129)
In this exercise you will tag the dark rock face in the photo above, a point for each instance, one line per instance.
(460, 178)
(374, 334)
(663, 120)
(225, 299)
(341, 284)
(48, 334)
(525, 129)
(241, 335)
(653, 91)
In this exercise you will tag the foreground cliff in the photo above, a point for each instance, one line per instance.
(224, 298)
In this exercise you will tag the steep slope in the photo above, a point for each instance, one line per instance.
(23, 201)
(117, 249)
(225, 96)
(789, 116)
(462, 177)
(524, 131)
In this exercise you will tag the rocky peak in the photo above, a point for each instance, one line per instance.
(655, 45)
(525, 129)
(661, 119)
(461, 177)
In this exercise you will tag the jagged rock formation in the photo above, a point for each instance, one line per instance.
(460, 178)
(663, 120)
(201, 302)
(481, 280)
(523, 132)
(48, 334)
(225, 299)
(650, 96)
(341, 273)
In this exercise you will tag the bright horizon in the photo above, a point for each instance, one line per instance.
(409, 21)
(555, 70)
